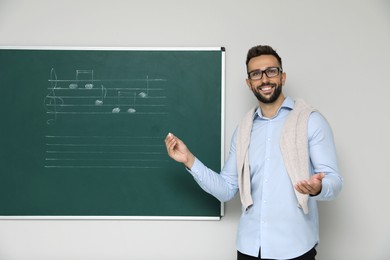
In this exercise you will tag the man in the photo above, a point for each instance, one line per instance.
(282, 161)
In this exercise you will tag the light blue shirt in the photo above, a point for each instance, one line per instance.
(275, 223)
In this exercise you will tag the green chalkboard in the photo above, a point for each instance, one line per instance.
(82, 131)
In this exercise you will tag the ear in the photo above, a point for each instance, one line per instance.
(248, 83)
(283, 78)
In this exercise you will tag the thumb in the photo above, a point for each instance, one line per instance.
(319, 176)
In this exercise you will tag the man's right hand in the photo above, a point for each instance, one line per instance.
(178, 151)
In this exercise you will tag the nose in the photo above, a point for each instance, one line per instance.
(264, 77)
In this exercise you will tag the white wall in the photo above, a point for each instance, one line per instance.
(336, 56)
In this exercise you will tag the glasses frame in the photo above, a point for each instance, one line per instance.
(280, 70)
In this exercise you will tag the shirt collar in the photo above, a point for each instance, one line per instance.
(288, 104)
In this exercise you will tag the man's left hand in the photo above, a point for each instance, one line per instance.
(312, 186)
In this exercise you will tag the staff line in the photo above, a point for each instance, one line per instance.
(105, 105)
(110, 113)
(104, 167)
(85, 97)
(103, 80)
(96, 152)
(102, 136)
(108, 89)
(102, 159)
(105, 145)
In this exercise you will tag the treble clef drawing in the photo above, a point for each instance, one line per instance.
(52, 102)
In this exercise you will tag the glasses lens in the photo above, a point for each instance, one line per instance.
(272, 72)
(256, 74)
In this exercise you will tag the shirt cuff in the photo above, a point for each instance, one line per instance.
(323, 193)
(196, 169)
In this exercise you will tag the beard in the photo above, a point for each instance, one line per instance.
(267, 100)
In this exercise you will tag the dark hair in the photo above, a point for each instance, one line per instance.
(262, 50)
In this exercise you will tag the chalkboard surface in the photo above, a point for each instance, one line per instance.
(82, 131)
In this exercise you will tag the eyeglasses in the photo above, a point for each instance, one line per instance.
(270, 72)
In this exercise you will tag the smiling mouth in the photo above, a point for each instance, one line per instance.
(265, 88)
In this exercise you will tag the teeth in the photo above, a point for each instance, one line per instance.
(265, 88)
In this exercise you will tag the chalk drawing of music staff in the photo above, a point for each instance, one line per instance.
(83, 89)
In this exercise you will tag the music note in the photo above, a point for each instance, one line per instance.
(100, 102)
(126, 96)
(145, 94)
(83, 76)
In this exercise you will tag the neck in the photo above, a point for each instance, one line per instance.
(269, 110)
